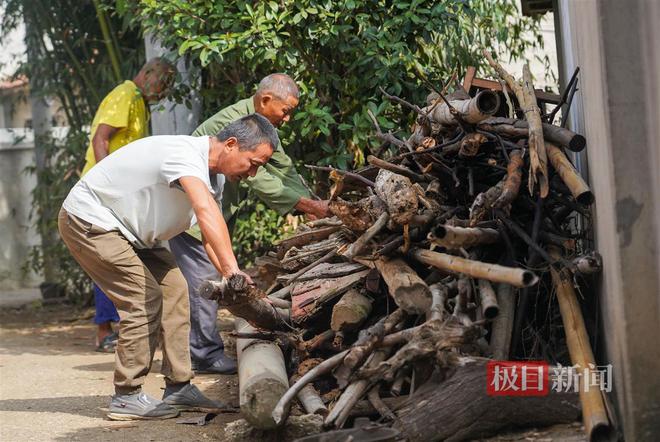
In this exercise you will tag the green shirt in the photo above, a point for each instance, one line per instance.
(277, 183)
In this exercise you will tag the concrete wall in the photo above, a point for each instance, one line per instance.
(16, 233)
(617, 46)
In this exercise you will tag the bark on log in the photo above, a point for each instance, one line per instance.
(409, 291)
(459, 409)
(350, 312)
(579, 189)
(453, 238)
(500, 340)
(262, 377)
(476, 269)
(482, 106)
(245, 301)
(325, 270)
(520, 128)
(538, 168)
(399, 196)
(594, 412)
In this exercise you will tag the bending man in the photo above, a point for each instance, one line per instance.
(114, 221)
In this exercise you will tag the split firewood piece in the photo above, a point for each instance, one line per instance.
(409, 291)
(511, 185)
(309, 298)
(399, 196)
(488, 300)
(365, 344)
(359, 244)
(500, 340)
(325, 270)
(454, 238)
(297, 258)
(395, 168)
(245, 301)
(484, 105)
(579, 189)
(476, 269)
(350, 312)
(520, 128)
(281, 410)
(360, 215)
(538, 168)
(262, 377)
(484, 202)
(304, 238)
(458, 408)
(470, 144)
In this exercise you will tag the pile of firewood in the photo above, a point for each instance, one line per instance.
(391, 308)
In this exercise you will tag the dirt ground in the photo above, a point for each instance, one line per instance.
(54, 387)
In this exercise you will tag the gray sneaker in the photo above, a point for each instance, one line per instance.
(189, 398)
(126, 407)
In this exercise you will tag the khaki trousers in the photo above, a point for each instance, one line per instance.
(150, 294)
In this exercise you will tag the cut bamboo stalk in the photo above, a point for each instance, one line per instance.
(482, 106)
(476, 269)
(487, 299)
(262, 377)
(578, 187)
(520, 128)
(500, 341)
(453, 238)
(409, 291)
(594, 412)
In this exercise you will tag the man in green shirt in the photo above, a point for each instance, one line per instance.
(277, 184)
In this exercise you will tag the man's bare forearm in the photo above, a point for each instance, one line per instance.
(318, 209)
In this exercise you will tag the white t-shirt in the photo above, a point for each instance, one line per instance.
(135, 189)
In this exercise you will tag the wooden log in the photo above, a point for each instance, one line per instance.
(311, 401)
(500, 340)
(407, 289)
(359, 244)
(476, 269)
(484, 203)
(470, 144)
(511, 185)
(350, 312)
(473, 110)
(360, 215)
(460, 409)
(520, 128)
(325, 270)
(453, 238)
(281, 410)
(395, 168)
(262, 377)
(488, 300)
(399, 196)
(245, 301)
(594, 412)
(578, 187)
(538, 168)
(304, 238)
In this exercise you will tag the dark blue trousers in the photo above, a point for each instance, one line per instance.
(205, 342)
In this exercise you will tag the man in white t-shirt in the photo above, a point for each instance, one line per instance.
(114, 222)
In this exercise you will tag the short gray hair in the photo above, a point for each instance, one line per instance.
(250, 131)
(279, 85)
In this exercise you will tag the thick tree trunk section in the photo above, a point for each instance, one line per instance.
(409, 291)
(262, 377)
(459, 409)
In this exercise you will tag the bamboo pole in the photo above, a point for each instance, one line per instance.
(487, 299)
(594, 412)
(482, 106)
(454, 238)
(476, 269)
(578, 187)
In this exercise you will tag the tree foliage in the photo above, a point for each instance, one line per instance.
(340, 52)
